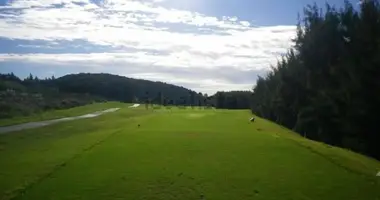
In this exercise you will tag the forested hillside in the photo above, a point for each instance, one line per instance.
(327, 87)
(31, 95)
(120, 88)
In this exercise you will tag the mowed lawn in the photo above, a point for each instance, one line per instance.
(179, 154)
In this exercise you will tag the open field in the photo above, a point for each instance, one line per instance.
(178, 154)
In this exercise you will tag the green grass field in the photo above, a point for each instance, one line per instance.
(178, 154)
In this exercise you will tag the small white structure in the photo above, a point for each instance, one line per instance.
(134, 106)
(378, 174)
(252, 119)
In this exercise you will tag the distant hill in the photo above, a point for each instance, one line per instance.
(23, 97)
(120, 88)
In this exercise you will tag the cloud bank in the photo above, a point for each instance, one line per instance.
(141, 39)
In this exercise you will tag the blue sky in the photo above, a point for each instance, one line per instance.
(203, 45)
(262, 12)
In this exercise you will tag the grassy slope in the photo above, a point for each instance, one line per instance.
(54, 114)
(178, 154)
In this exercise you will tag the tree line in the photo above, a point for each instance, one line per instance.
(327, 87)
(232, 100)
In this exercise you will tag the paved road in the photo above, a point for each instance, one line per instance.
(18, 127)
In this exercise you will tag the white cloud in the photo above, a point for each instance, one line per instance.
(182, 39)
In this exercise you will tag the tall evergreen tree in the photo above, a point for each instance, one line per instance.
(327, 86)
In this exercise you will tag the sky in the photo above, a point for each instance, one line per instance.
(204, 45)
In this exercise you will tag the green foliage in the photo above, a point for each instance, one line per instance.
(232, 99)
(327, 87)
